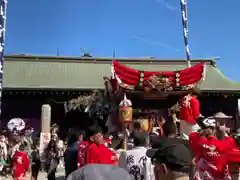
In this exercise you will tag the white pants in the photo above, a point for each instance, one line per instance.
(187, 128)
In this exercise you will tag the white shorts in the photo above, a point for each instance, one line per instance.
(188, 128)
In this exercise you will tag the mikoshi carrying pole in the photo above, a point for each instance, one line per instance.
(185, 29)
(3, 8)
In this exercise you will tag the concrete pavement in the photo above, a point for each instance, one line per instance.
(42, 176)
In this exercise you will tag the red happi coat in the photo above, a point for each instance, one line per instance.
(233, 158)
(108, 155)
(81, 153)
(92, 154)
(99, 154)
(189, 109)
(213, 156)
(20, 165)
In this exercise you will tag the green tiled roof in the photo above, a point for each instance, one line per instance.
(39, 72)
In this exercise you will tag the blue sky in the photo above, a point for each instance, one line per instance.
(133, 28)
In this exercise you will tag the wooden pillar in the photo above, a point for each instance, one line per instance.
(46, 118)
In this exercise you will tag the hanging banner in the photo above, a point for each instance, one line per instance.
(3, 7)
(185, 28)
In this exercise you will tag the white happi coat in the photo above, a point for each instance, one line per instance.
(137, 164)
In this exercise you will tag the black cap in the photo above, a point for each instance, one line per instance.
(176, 156)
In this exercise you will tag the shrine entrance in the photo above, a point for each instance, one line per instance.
(76, 119)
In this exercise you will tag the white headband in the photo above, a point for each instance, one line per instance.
(209, 122)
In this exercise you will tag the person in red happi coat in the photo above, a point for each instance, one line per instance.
(97, 152)
(110, 157)
(93, 152)
(20, 164)
(189, 113)
(233, 162)
(212, 155)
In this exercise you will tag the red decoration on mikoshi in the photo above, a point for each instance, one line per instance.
(130, 78)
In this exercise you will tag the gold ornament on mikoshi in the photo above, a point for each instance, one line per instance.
(125, 111)
(144, 124)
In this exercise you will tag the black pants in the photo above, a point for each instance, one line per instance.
(52, 168)
(35, 170)
(69, 170)
(51, 175)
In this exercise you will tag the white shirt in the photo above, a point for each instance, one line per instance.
(137, 164)
(60, 144)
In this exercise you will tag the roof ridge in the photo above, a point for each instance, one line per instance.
(39, 58)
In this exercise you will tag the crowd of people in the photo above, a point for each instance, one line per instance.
(19, 154)
(212, 153)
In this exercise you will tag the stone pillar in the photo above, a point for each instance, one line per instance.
(46, 118)
(237, 119)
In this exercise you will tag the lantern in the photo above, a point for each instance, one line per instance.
(125, 111)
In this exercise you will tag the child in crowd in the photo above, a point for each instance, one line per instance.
(3, 154)
(20, 164)
(92, 154)
(97, 152)
(36, 163)
(82, 144)
(61, 153)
